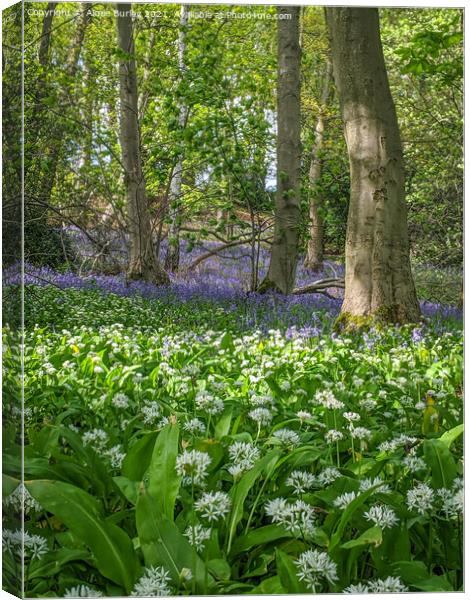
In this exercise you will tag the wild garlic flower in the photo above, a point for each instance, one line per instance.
(357, 588)
(351, 416)
(243, 456)
(194, 426)
(327, 399)
(452, 501)
(213, 505)
(368, 404)
(209, 404)
(313, 566)
(397, 442)
(154, 582)
(301, 481)
(328, 475)
(298, 518)
(303, 415)
(333, 435)
(150, 412)
(262, 416)
(382, 516)
(344, 500)
(82, 591)
(192, 465)
(197, 536)
(97, 438)
(420, 498)
(116, 456)
(389, 585)
(360, 433)
(120, 401)
(368, 483)
(287, 437)
(24, 545)
(21, 498)
(414, 463)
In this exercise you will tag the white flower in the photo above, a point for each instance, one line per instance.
(382, 516)
(194, 426)
(209, 404)
(243, 456)
(358, 588)
(333, 435)
(287, 437)
(344, 500)
(298, 518)
(389, 585)
(397, 442)
(312, 566)
(197, 536)
(301, 481)
(328, 475)
(360, 433)
(452, 501)
(327, 399)
(303, 415)
(368, 483)
(213, 505)
(285, 386)
(20, 499)
(150, 411)
(414, 463)
(368, 404)
(120, 401)
(262, 416)
(82, 591)
(420, 498)
(116, 456)
(351, 416)
(97, 438)
(192, 464)
(24, 545)
(154, 582)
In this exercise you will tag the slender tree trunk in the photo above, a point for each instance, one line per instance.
(283, 261)
(143, 263)
(378, 281)
(172, 260)
(314, 258)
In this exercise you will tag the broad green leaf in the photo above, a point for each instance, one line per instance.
(223, 425)
(371, 536)
(272, 585)
(439, 458)
(449, 437)
(164, 483)
(256, 537)
(138, 458)
(82, 514)
(287, 573)
(163, 544)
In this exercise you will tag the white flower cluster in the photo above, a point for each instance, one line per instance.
(328, 475)
(19, 498)
(98, 438)
(213, 505)
(397, 442)
(82, 591)
(23, 544)
(420, 498)
(197, 536)
(389, 585)
(150, 412)
(261, 416)
(301, 481)
(194, 426)
(382, 516)
(209, 404)
(154, 582)
(243, 456)
(298, 518)
(313, 566)
(120, 401)
(367, 483)
(287, 437)
(326, 398)
(192, 465)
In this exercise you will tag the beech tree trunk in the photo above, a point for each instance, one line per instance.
(283, 261)
(378, 281)
(143, 263)
(172, 259)
(314, 258)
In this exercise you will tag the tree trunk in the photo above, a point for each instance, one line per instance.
(378, 281)
(283, 261)
(172, 259)
(143, 263)
(314, 258)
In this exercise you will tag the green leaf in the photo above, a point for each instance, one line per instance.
(371, 536)
(164, 483)
(220, 569)
(256, 537)
(138, 458)
(240, 491)
(9, 485)
(82, 514)
(223, 425)
(272, 585)
(439, 458)
(287, 573)
(163, 544)
(449, 437)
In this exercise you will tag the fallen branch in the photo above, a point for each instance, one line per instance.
(319, 286)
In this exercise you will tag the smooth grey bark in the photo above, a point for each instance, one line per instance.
(143, 263)
(283, 260)
(172, 259)
(315, 246)
(378, 281)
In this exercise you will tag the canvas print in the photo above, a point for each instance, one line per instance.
(232, 299)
